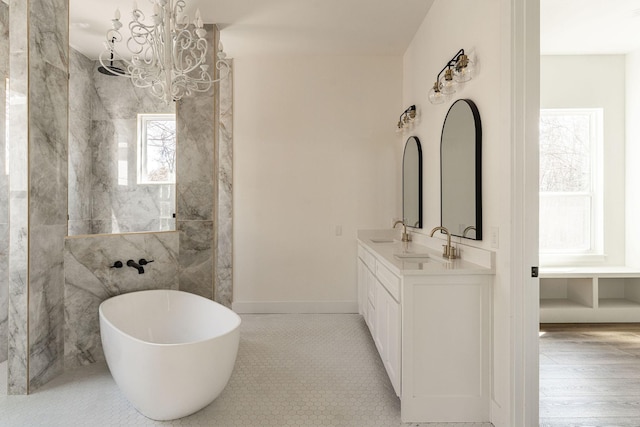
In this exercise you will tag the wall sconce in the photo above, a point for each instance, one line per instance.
(458, 70)
(407, 118)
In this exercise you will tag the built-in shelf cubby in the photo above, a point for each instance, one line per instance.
(589, 294)
(619, 292)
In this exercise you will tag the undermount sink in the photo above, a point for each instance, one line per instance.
(383, 240)
(419, 258)
(411, 256)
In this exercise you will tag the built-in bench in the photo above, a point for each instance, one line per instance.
(589, 294)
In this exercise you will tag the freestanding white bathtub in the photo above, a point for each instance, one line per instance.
(170, 352)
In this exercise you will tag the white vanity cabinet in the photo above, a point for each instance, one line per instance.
(381, 311)
(431, 325)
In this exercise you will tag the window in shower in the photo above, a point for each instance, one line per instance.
(156, 148)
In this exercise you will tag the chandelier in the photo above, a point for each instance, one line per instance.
(167, 55)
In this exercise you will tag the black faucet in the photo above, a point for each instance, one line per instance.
(132, 263)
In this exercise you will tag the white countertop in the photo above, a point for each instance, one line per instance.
(435, 264)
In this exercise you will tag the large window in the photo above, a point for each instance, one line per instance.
(571, 181)
(156, 149)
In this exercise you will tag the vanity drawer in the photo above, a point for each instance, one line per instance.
(367, 258)
(390, 281)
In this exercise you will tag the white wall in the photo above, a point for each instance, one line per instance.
(476, 27)
(632, 156)
(315, 149)
(596, 81)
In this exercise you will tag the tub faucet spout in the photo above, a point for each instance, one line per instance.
(132, 263)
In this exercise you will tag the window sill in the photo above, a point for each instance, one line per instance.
(555, 260)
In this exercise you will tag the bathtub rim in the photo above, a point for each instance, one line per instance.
(103, 317)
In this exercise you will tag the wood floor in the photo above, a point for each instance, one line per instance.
(590, 375)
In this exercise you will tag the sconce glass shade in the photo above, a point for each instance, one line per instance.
(447, 84)
(435, 95)
(464, 69)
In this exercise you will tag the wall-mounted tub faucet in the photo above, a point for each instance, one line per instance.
(132, 263)
(449, 251)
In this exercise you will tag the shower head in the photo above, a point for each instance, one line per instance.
(110, 70)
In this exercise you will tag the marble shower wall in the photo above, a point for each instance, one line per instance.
(119, 203)
(224, 208)
(82, 95)
(38, 190)
(104, 195)
(89, 280)
(4, 184)
(196, 190)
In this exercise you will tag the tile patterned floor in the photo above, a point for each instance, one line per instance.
(292, 370)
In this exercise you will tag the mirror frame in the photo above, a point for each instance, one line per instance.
(404, 154)
(478, 168)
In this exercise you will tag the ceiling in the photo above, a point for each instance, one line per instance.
(589, 26)
(272, 27)
(363, 27)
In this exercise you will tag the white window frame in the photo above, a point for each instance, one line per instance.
(595, 253)
(142, 174)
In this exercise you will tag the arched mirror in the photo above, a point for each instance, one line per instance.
(412, 183)
(461, 171)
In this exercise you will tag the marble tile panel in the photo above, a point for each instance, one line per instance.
(4, 72)
(213, 39)
(49, 32)
(195, 201)
(4, 39)
(224, 217)
(133, 225)
(18, 299)
(89, 280)
(99, 226)
(17, 361)
(48, 134)
(4, 198)
(81, 94)
(18, 29)
(4, 290)
(196, 257)
(195, 144)
(79, 227)
(102, 150)
(18, 120)
(46, 303)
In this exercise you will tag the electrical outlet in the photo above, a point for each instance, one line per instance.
(494, 237)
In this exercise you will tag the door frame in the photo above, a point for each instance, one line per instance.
(525, 307)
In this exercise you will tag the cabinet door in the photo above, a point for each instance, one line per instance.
(362, 288)
(381, 333)
(388, 335)
(393, 343)
(370, 297)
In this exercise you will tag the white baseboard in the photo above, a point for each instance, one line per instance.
(249, 307)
